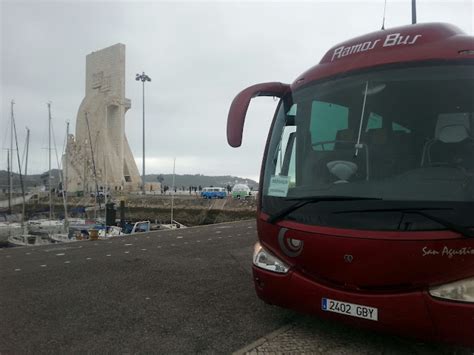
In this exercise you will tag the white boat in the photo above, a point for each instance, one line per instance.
(62, 238)
(28, 240)
(8, 229)
(112, 231)
(139, 227)
(103, 233)
(77, 231)
(46, 226)
(174, 225)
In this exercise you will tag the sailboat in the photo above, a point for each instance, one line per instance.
(64, 234)
(7, 227)
(173, 223)
(78, 229)
(26, 238)
(49, 225)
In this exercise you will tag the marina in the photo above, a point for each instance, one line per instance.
(129, 223)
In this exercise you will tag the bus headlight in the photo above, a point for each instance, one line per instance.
(263, 259)
(462, 291)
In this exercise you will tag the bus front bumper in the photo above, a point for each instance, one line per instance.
(415, 314)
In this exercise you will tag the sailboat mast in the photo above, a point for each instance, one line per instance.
(172, 192)
(63, 183)
(106, 184)
(27, 149)
(19, 170)
(66, 162)
(49, 163)
(9, 188)
(10, 196)
(93, 169)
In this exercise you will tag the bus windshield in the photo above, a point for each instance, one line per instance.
(398, 137)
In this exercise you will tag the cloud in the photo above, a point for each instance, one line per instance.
(199, 56)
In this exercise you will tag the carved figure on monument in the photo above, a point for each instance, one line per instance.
(100, 128)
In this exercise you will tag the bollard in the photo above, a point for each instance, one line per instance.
(93, 234)
(122, 214)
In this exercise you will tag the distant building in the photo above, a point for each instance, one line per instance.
(100, 129)
(152, 187)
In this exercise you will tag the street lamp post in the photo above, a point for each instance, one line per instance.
(143, 77)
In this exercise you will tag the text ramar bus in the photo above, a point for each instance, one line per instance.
(365, 208)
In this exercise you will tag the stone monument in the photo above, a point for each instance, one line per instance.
(99, 152)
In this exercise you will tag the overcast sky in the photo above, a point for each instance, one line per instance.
(199, 56)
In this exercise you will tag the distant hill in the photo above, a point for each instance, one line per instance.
(30, 180)
(200, 180)
(167, 179)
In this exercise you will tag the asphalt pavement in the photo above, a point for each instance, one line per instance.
(180, 291)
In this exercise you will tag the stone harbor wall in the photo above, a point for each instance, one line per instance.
(188, 210)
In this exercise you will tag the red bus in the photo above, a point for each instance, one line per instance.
(366, 201)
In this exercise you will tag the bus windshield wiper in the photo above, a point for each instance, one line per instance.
(466, 232)
(302, 201)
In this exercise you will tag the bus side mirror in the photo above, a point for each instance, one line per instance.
(238, 108)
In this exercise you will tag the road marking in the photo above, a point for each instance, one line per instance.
(144, 249)
(126, 252)
(67, 262)
(179, 237)
(198, 241)
(44, 265)
(88, 258)
(159, 246)
(108, 255)
(127, 245)
(62, 248)
(218, 232)
(28, 253)
(60, 254)
(17, 269)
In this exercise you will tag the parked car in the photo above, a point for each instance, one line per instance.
(213, 192)
(241, 191)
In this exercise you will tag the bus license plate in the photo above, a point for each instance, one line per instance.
(349, 309)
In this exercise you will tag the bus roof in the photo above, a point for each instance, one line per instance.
(420, 42)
